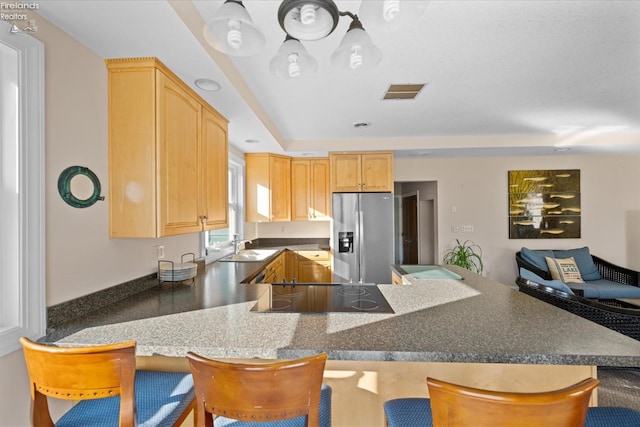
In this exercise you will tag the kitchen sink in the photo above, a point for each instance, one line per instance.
(250, 255)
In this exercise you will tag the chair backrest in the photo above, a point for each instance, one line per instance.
(269, 391)
(80, 373)
(460, 406)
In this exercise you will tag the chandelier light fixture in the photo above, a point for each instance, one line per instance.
(233, 32)
(391, 15)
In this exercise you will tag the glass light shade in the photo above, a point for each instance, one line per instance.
(308, 19)
(292, 60)
(390, 15)
(356, 51)
(233, 32)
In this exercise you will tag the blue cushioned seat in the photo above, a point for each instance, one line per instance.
(602, 279)
(612, 417)
(555, 284)
(161, 398)
(606, 289)
(408, 412)
(325, 416)
(416, 412)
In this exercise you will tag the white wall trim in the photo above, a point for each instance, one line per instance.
(31, 319)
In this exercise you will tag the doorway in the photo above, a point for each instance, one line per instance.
(410, 229)
(416, 222)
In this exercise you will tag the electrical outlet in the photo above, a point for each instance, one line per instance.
(159, 252)
(467, 228)
(455, 228)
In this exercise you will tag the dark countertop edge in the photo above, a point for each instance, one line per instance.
(401, 356)
(438, 357)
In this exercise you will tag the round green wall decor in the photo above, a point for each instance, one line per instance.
(64, 186)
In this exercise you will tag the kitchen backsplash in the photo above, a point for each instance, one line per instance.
(320, 229)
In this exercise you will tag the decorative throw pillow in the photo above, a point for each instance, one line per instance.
(584, 261)
(564, 269)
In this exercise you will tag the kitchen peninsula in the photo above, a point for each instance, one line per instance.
(475, 331)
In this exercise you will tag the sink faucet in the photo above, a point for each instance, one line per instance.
(237, 243)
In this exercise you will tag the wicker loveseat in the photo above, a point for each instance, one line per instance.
(602, 279)
(623, 320)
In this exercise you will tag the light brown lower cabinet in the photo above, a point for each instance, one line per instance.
(301, 266)
(274, 272)
(314, 266)
(396, 279)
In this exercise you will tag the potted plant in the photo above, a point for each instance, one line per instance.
(467, 255)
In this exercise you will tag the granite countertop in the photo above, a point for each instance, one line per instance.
(471, 320)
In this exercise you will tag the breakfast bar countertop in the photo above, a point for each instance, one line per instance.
(473, 320)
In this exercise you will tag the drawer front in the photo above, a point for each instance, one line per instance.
(314, 255)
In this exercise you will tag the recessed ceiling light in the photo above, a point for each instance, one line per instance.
(308, 154)
(420, 154)
(252, 141)
(208, 85)
(559, 150)
(361, 125)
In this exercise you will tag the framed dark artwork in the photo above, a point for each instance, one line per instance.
(544, 204)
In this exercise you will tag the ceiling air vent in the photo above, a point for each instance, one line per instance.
(403, 91)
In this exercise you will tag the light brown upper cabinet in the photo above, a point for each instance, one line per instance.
(215, 153)
(361, 171)
(167, 154)
(267, 187)
(310, 195)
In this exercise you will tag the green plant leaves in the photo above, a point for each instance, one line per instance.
(467, 255)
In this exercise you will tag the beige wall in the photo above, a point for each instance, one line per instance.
(80, 257)
(477, 187)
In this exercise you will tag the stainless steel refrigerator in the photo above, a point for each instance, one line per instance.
(362, 237)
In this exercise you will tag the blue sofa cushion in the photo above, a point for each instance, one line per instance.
(161, 398)
(606, 289)
(537, 257)
(582, 256)
(555, 284)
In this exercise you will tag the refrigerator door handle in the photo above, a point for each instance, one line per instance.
(361, 244)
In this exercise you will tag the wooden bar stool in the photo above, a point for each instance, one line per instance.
(454, 405)
(281, 393)
(109, 390)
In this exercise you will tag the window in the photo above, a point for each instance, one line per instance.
(22, 291)
(216, 243)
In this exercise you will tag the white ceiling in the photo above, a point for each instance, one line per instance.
(503, 77)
